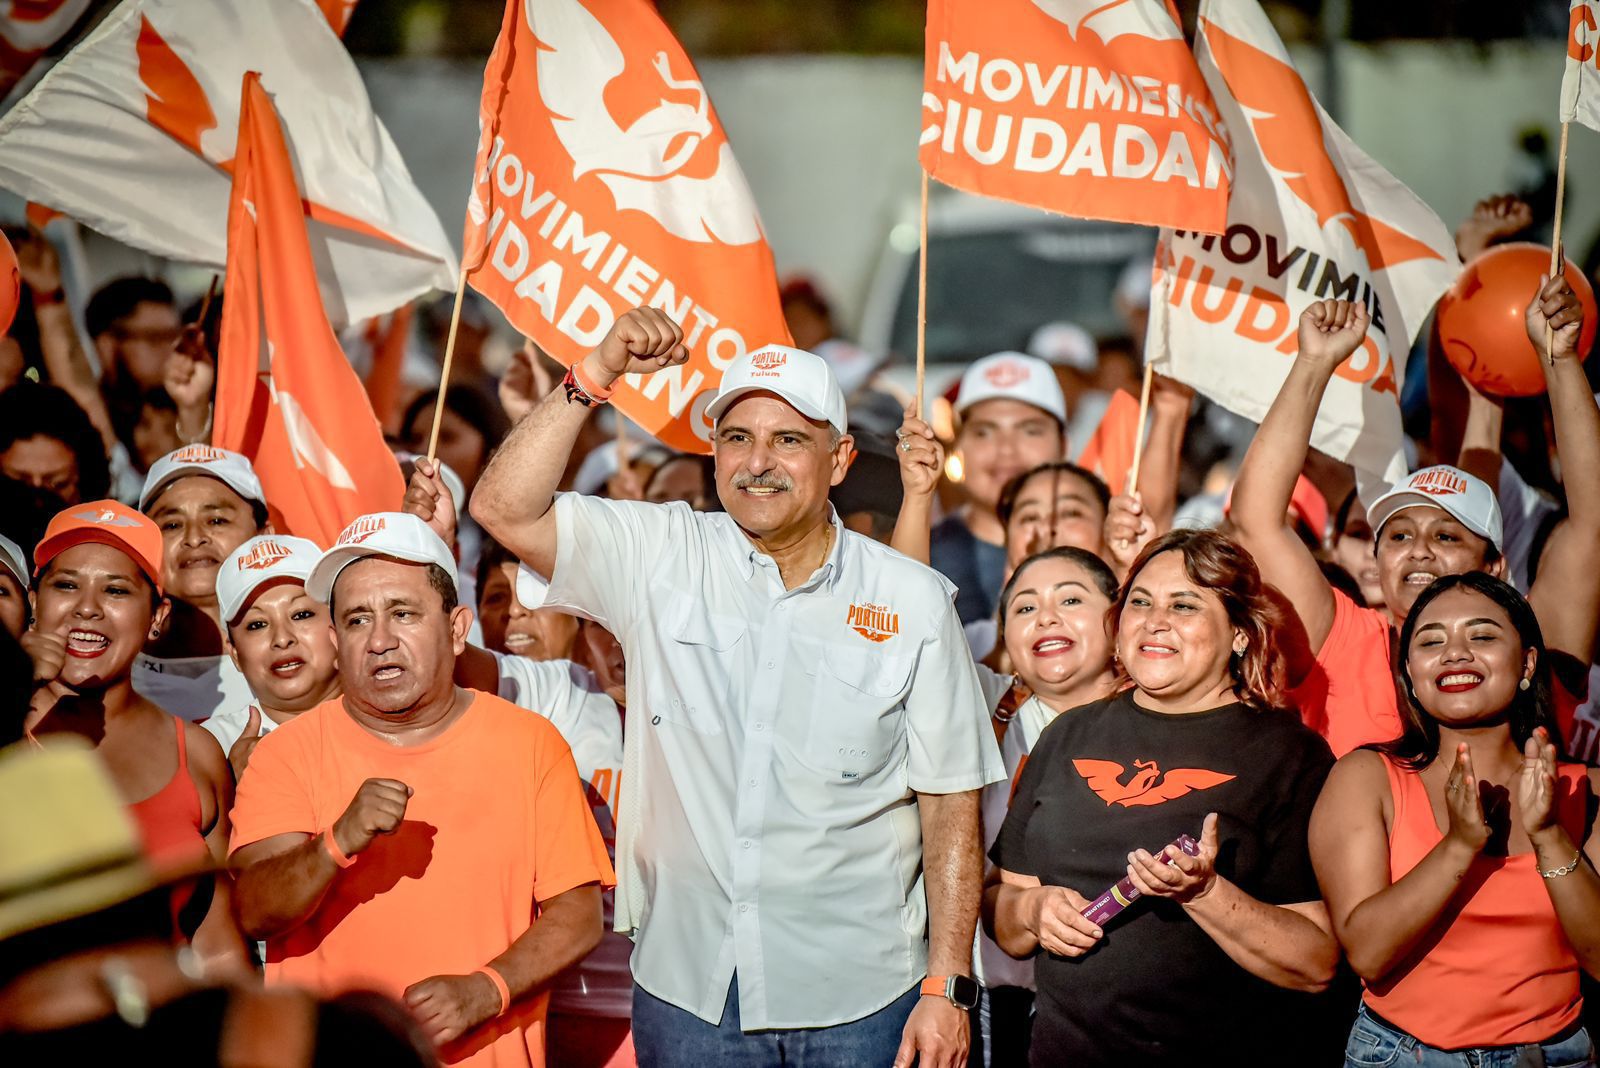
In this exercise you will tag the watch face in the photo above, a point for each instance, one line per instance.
(964, 991)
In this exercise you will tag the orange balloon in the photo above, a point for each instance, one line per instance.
(1481, 319)
(10, 284)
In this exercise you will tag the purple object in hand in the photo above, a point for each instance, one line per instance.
(1124, 893)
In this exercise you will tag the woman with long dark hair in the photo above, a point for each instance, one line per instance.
(1456, 859)
(1198, 745)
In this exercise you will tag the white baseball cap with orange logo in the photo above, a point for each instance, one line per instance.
(1012, 376)
(802, 378)
(259, 561)
(400, 535)
(232, 469)
(1465, 497)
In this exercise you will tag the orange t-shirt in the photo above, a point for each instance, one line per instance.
(1350, 698)
(497, 821)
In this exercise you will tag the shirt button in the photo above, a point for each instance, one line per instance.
(745, 843)
(752, 782)
(744, 908)
(761, 726)
(769, 665)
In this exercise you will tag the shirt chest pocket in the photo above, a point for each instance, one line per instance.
(857, 711)
(692, 682)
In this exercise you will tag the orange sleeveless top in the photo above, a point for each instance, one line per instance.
(1502, 973)
(169, 819)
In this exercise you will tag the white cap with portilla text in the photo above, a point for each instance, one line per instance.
(259, 561)
(14, 560)
(1012, 376)
(232, 469)
(1465, 497)
(802, 378)
(397, 534)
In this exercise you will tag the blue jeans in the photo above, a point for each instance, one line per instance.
(665, 1036)
(1375, 1044)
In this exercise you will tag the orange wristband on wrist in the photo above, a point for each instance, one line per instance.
(334, 851)
(589, 385)
(499, 984)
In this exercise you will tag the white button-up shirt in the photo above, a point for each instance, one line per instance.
(776, 743)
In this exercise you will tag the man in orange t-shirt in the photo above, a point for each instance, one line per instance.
(1437, 521)
(425, 841)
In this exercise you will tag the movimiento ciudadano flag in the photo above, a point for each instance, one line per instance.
(604, 181)
(1580, 82)
(286, 395)
(1080, 107)
(133, 131)
(1311, 217)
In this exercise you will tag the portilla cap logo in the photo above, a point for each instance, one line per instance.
(1438, 482)
(362, 529)
(263, 556)
(198, 454)
(1006, 374)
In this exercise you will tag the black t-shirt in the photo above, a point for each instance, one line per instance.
(1112, 777)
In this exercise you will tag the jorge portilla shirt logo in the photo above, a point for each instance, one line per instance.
(874, 622)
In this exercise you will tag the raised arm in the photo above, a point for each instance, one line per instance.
(1330, 330)
(1378, 919)
(921, 463)
(513, 496)
(1566, 595)
(64, 359)
(1134, 519)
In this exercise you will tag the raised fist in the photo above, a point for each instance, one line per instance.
(379, 807)
(640, 341)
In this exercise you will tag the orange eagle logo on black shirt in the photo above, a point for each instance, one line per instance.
(1148, 786)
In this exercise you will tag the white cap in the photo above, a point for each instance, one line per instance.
(14, 560)
(230, 468)
(1012, 376)
(397, 534)
(802, 378)
(1467, 498)
(258, 562)
(1135, 282)
(1065, 345)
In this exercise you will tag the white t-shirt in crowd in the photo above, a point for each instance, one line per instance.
(777, 734)
(571, 698)
(194, 688)
(227, 726)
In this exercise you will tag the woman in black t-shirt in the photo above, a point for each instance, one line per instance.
(1196, 746)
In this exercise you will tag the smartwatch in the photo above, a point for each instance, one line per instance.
(960, 990)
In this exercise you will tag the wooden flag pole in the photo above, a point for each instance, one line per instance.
(1555, 233)
(449, 356)
(922, 293)
(1138, 434)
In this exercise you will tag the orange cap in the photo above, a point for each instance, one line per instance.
(108, 523)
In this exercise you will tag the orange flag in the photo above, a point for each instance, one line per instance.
(1084, 107)
(604, 181)
(1109, 452)
(338, 13)
(286, 395)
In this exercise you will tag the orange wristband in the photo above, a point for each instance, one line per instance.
(334, 851)
(588, 385)
(499, 984)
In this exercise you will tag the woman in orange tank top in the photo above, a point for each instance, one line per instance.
(96, 598)
(1457, 860)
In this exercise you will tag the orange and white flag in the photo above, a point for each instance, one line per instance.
(1580, 83)
(604, 181)
(1311, 217)
(1082, 107)
(286, 395)
(338, 13)
(29, 29)
(132, 133)
(1109, 450)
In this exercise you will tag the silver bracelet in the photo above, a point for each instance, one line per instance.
(1556, 873)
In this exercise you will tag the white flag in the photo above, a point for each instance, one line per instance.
(1580, 83)
(133, 133)
(1310, 217)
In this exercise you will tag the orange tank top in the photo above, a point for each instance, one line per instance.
(1503, 972)
(169, 819)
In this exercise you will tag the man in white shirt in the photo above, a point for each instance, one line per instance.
(207, 503)
(798, 829)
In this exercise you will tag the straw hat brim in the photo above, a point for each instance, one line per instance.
(79, 895)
